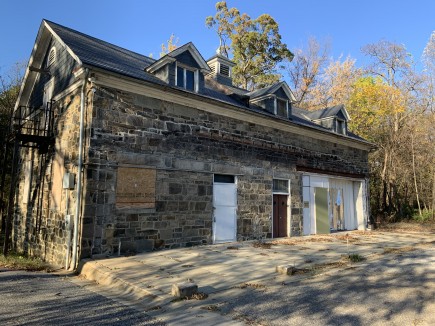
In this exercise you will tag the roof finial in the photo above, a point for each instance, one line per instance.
(222, 49)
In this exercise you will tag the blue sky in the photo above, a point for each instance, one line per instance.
(142, 26)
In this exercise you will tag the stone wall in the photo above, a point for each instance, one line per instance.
(39, 221)
(186, 146)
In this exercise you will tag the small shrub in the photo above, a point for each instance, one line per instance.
(355, 258)
(426, 215)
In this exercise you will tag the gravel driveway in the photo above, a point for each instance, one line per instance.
(30, 298)
(397, 289)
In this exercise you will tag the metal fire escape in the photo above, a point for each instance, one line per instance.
(32, 128)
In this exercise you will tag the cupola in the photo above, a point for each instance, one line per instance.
(221, 67)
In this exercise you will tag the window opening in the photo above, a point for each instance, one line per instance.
(281, 109)
(185, 78)
(340, 127)
(280, 186)
(224, 178)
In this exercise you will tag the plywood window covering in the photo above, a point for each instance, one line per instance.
(136, 188)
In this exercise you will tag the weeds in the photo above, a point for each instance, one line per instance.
(20, 262)
(261, 244)
(355, 258)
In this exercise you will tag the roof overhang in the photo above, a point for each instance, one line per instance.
(34, 66)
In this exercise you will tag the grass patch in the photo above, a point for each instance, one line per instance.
(20, 262)
(355, 258)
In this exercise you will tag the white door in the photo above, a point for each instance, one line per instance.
(225, 209)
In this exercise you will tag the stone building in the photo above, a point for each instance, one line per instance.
(147, 154)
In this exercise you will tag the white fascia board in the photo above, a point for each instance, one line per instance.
(36, 61)
(256, 99)
(198, 58)
(346, 114)
(63, 43)
(159, 64)
(288, 92)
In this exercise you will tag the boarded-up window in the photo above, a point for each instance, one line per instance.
(136, 187)
(56, 185)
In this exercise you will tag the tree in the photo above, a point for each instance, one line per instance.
(336, 84)
(387, 107)
(255, 45)
(9, 88)
(305, 72)
(429, 62)
(171, 45)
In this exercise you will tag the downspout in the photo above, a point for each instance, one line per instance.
(75, 249)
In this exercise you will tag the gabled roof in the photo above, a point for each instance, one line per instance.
(170, 57)
(272, 89)
(97, 53)
(90, 52)
(328, 113)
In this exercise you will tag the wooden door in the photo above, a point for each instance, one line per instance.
(280, 216)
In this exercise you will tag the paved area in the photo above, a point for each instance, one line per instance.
(223, 271)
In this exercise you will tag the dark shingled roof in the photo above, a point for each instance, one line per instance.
(264, 91)
(324, 113)
(97, 53)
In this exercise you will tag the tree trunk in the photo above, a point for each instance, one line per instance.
(415, 176)
(433, 194)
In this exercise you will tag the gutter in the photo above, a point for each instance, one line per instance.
(75, 249)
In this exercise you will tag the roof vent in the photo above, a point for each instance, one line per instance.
(221, 69)
(224, 70)
(51, 56)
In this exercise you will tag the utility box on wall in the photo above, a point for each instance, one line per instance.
(69, 180)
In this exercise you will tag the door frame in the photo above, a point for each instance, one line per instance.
(286, 193)
(214, 209)
(356, 189)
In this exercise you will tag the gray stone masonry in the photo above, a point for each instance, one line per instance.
(186, 146)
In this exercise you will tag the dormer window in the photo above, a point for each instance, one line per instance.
(340, 126)
(281, 107)
(187, 78)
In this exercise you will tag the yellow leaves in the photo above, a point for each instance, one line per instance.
(373, 105)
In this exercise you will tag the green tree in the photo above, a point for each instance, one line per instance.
(255, 45)
(9, 89)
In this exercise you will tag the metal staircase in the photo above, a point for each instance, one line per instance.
(32, 128)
